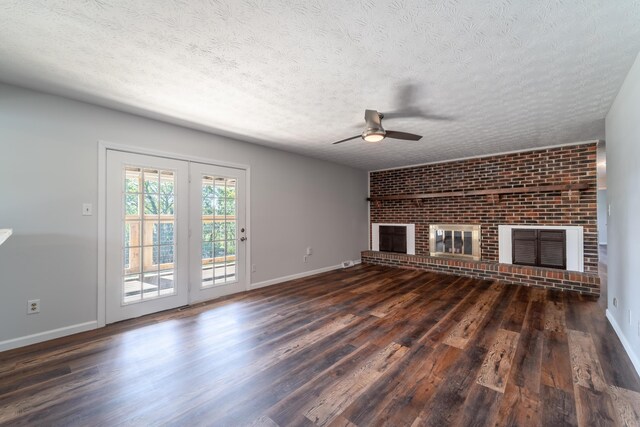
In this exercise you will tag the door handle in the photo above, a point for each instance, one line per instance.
(242, 239)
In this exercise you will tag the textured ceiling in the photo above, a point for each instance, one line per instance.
(298, 75)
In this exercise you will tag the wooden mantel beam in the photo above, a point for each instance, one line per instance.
(495, 191)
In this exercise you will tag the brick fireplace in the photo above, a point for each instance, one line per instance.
(554, 188)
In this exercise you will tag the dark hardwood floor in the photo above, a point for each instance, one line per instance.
(363, 346)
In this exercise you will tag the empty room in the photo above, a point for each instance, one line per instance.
(332, 213)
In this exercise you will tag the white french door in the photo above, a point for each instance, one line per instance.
(171, 240)
(146, 234)
(217, 218)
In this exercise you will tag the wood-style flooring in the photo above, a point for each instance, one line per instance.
(363, 346)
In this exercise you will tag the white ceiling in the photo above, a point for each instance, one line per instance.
(298, 75)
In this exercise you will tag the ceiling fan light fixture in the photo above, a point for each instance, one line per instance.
(375, 135)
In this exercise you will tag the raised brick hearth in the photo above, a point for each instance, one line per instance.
(584, 283)
(568, 165)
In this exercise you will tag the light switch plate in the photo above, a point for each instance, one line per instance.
(87, 209)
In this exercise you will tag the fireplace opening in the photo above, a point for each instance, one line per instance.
(455, 240)
(393, 239)
(539, 248)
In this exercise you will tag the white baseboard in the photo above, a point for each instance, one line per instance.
(47, 335)
(297, 276)
(632, 355)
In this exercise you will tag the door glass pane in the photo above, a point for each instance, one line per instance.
(166, 282)
(218, 227)
(231, 188)
(132, 202)
(166, 254)
(207, 252)
(231, 230)
(207, 273)
(220, 196)
(151, 204)
(166, 233)
(132, 288)
(149, 234)
(230, 208)
(207, 231)
(150, 285)
(132, 180)
(218, 250)
(132, 260)
(219, 207)
(166, 183)
(151, 181)
(166, 204)
(230, 260)
(132, 233)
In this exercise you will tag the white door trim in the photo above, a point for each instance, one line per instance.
(103, 146)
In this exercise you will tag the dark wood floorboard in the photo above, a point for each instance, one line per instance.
(364, 346)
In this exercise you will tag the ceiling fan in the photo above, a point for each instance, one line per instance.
(374, 132)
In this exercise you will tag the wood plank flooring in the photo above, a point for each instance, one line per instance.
(364, 346)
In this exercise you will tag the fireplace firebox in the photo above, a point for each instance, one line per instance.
(393, 239)
(539, 247)
(455, 240)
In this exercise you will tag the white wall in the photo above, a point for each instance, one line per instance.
(48, 168)
(623, 192)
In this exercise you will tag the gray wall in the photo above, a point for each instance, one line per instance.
(623, 192)
(48, 168)
(602, 217)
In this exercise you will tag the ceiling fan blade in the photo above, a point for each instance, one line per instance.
(414, 112)
(347, 139)
(403, 135)
(372, 117)
(408, 97)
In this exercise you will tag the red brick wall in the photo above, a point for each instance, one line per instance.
(562, 165)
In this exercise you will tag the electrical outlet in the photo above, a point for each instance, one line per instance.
(33, 306)
(253, 268)
(309, 250)
(629, 316)
(304, 258)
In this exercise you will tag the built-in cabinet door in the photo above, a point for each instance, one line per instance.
(147, 237)
(218, 231)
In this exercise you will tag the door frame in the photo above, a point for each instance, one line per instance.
(101, 210)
